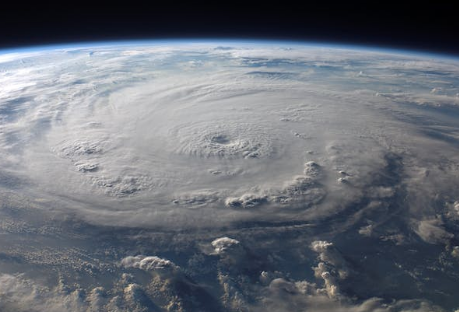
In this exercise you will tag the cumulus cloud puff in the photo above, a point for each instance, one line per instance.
(224, 245)
(19, 294)
(148, 263)
(431, 231)
(288, 296)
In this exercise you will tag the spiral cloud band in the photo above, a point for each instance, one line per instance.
(238, 176)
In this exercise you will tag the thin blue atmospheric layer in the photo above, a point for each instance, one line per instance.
(239, 42)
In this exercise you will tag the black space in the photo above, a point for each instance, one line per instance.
(424, 26)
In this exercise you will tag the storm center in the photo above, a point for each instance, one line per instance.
(220, 139)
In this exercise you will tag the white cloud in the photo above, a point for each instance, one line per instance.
(321, 246)
(366, 230)
(151, 138)
(456, 207)
(178, 130)
(284, 295)
(163, 137)
(196, 199)
(431, 231)
(332, 257)
(246, 201)
(148, 263)
(224, 245)
(17, 56)
(455, 252)
(432, 99)
(20, 294)
(312, 169)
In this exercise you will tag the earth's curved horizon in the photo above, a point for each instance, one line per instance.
(238, 175)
